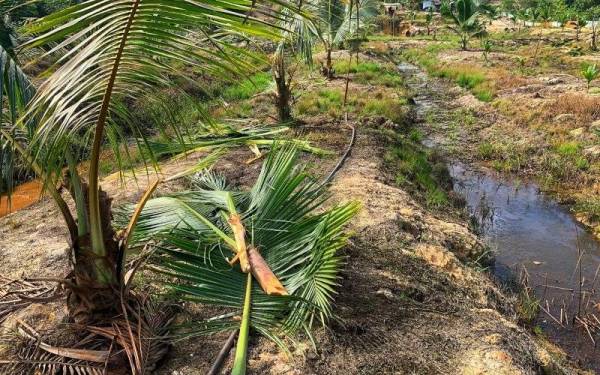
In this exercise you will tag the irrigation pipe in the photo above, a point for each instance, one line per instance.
(223, 354)
(342, 160)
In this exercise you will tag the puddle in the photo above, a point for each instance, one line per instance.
(23, 196)
(531, 235)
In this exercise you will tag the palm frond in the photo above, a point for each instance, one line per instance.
(279, 214)
(356, 23)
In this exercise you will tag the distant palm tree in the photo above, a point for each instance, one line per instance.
(330, 17)
(590, 73)
(466, 15)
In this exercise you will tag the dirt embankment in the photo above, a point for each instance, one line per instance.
(412, 300)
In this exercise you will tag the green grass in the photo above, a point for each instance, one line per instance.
(324, 101)
(468, 77)
(469, 80)
(390, 108)
(527, 305)
(248, 87)
(486, 150)
(568, 148)
(344, 67)
(415, 171)
(484, 95)
(370, 73)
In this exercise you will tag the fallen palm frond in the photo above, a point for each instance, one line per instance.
(226, 137)
(17, 294)
(93, 350)
(292, 250)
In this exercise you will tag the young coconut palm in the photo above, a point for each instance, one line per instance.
(117, 49)
(269, 255)
(590, 73)
(466, 15)
(15, 92)
(296, 43)
(330, 15)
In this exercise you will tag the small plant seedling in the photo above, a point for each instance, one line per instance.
(521, 61)
(486, 46)
(590, 73)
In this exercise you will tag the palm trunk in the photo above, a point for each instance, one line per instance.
(464, 41)
(329, 67)
(284, 111)
(92, 299)
(95, 294)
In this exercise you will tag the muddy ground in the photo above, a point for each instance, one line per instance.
(412, 298)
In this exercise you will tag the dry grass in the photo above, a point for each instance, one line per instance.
(586, 108)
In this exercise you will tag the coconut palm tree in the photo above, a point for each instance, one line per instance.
(590, 73)
(466, 15)
(269, 254)
(116, 50)
(297, 42)
(330, 17)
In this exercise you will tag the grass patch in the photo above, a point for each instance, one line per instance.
(392, 109)
(370, 73)
(470, 77)
(527, 306)
(417, 171)
(486, 150)
(248, 87)
(344, 67)
(330, 102)
(568, 148)
(327, 101)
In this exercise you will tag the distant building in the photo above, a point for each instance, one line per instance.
(392, 8)
(428, 4)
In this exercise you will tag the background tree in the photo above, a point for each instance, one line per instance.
(329, 19)
(467, 16)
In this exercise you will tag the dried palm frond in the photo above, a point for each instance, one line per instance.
(134, 342)
(17, 294)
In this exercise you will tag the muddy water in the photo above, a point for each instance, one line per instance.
(23, 196)
(532, 238)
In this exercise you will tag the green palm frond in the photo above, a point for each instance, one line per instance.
(330, 18)
(16, 90)
(281, 220)
(353, 23)
(228, 137)
(117, 49)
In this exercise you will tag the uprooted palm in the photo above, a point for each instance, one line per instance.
(285, 244)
